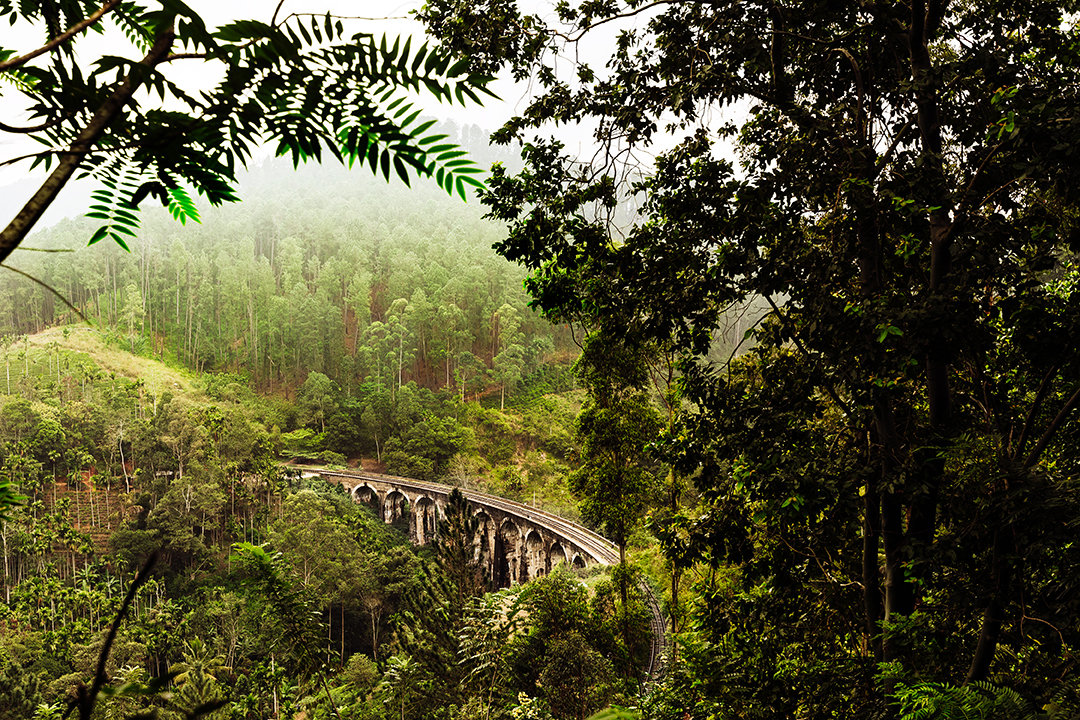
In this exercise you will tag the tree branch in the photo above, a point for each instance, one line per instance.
(59, 39)
(88, 699)
(859, 110)
(36, 128)
(43, 153)
(189, 56)
(1034, 409)
(1036, 451)
(17, 229)
(273, 18)
(967, 191)
(892, 148)
(935, 14)
(798, 343)
(618, 16)
(347, 17)
(47, 286)
(20, 158)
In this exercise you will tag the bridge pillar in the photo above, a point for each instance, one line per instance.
(484, 551)
(533, 557)
(508, 554)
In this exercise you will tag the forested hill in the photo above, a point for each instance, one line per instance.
(330, 319)
(322, 269)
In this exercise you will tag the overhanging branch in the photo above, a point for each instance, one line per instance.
(1036, 406)
(802, 348)
(35, 128)
(17, 229)
(59, 39)
(47, 286)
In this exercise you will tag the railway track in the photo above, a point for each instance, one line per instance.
(602, 549)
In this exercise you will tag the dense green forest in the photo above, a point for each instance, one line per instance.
(322, 270)
(362, 303)
(334, 321)
(890, 475)
(796, 332)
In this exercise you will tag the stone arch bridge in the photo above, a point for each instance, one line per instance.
(518, 543)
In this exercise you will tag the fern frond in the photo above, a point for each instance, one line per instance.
(978, 701)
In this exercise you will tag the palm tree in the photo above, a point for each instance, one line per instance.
(199, 663)
(199, 693)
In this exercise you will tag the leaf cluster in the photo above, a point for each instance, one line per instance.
(302, 82)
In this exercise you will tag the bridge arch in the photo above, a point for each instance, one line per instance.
(424, 520)
(367, 495)
(395, 506)
(556, 554)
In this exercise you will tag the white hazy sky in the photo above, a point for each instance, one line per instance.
(389, 17)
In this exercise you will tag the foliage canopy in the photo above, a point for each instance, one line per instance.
(905, 206)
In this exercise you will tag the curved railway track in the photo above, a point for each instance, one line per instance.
(602, 549)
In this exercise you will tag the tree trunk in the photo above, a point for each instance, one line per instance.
(871, 575)
(7, 567)
(994, 616)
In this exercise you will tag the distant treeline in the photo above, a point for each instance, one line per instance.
(321, 269)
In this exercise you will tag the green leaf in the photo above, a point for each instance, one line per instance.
(471, 181)
(100, 234)
(400, 169)
(243, 30)
(120, 241)
(403, 61)
(418, 60)
(181, 206)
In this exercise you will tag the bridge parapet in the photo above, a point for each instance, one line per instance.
(518, 543)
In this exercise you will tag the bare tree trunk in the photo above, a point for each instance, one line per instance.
(7, 567)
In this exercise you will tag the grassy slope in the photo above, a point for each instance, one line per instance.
(88, 341)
